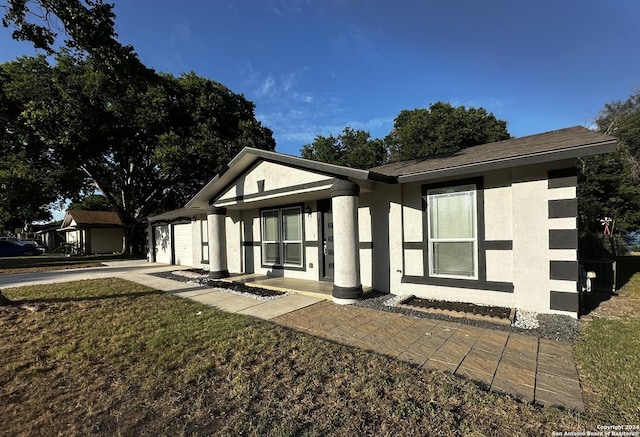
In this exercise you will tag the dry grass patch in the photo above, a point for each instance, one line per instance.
(109, 357)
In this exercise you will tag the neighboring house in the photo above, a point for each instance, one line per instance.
(493, 224)
(49, 236)
(93, 232)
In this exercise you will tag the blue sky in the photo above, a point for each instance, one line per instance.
(314, 67)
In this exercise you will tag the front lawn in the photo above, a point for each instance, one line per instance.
(112, 357)
(45, 263)
(608, 352)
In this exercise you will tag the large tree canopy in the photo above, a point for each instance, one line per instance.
(352, 148)
(442, 128)
(88, 26)
(30, 181)
(146, 142)
(609, 185)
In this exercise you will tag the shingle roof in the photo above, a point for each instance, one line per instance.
(559, 144)
(91, 218)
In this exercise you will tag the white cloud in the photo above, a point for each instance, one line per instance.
(266, 87)
(490, 104)
(287, 7)
(298, 115)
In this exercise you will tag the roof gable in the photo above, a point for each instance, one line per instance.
(268, 178)
(80, 218)
(245, 161)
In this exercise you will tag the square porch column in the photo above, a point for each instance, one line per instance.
(217, 242)
(347, 287)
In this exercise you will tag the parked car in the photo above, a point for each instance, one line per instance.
(21, 242)
(12, 248)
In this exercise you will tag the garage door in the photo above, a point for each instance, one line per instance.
(183, 244)
(162, 243)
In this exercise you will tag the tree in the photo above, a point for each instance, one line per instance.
(146, 142)
(29, 180)
(352, 148)
(92, 202)
(88, 25)
(609, 186)
(442, 128)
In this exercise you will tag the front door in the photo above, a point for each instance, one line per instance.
(326, 249)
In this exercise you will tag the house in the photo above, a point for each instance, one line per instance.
(494, 224)
(49, 235)
(93, 232)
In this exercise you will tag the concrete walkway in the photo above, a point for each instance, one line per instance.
(529, 368)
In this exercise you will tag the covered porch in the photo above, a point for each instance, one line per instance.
(319, 289)
(290, 224)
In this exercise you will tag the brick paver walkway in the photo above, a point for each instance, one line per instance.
(527, 367)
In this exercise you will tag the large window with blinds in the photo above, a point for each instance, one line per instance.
(281, 235)
(452, 232)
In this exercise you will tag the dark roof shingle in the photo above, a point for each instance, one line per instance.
(559, 144)
(91, 218)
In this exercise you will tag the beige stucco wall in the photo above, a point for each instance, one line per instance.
(196, 245)
(385, 205)
(531, 247)
(516, 210)
(366, 238)
(233, 229)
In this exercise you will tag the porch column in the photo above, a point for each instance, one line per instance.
(151, 244)
(217, 243)
(344, 205)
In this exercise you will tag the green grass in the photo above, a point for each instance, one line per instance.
(609, 357)
(608, 353)
(109, 357)
(43, 263)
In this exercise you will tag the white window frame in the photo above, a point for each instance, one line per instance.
(432, 192)
(280, 241)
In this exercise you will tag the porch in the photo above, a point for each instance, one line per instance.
(319, 289)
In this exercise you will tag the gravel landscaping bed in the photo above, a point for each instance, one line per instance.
(202, 280)
(549, 326)
(552, 327)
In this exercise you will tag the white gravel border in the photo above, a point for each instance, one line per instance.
(201, 281)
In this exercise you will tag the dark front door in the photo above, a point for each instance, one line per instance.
(326, 242)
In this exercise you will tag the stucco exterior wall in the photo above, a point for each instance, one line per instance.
(517, 226)
(366, 239)
(386, 209)
(233, 228)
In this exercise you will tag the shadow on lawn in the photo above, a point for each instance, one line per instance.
(626, 267)
(86, 298)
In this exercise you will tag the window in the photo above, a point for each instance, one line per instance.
(452, 231)
(282, 237)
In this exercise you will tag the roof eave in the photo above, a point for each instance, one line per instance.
(499, 164)
(175, 215)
